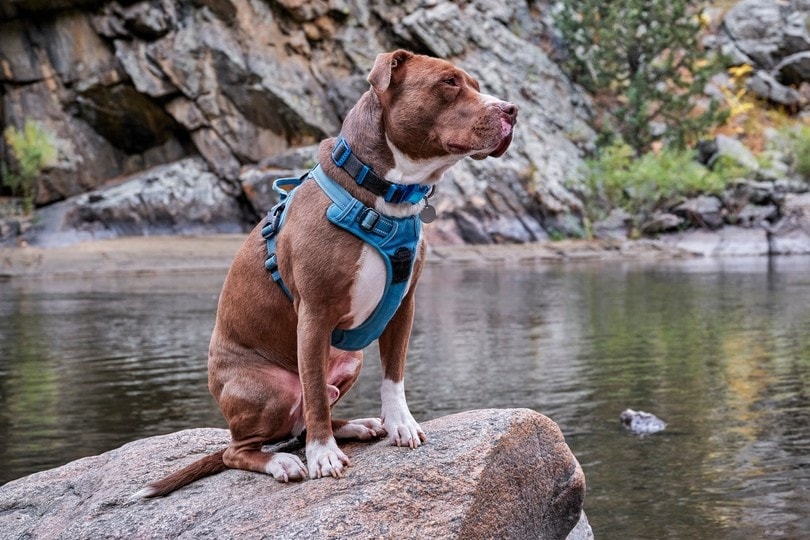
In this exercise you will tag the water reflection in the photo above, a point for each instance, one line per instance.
(89, 365)
(719, 349)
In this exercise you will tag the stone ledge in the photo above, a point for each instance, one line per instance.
(482, 474)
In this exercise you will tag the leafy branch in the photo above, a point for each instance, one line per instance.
(32, 150)
(644, 60)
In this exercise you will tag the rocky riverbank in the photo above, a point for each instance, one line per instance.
(173, 118)
(162, 254)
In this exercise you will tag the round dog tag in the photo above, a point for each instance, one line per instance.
(428, 214)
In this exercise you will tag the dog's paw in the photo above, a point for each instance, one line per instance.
(362, 429)
(285, 467)
(326, 460)
(403, 430)
(397, 420)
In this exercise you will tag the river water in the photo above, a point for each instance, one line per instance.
(719, 349)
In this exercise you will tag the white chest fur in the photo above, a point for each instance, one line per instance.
(369, 285)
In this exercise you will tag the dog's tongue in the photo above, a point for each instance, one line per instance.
(506, 127)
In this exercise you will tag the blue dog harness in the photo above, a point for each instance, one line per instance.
(395, 239)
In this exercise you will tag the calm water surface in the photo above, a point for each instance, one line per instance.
(718, 349)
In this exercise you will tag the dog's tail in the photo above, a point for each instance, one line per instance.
(201, 468)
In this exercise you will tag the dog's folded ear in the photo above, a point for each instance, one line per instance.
(384, 68)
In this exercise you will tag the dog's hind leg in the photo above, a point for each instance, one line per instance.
(262, 407)
(248, 456)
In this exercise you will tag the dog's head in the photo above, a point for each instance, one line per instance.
(432, 108)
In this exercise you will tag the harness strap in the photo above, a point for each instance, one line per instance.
(280, 186)
(273, 223)
(395, 239)
(343, 157)
(368, 219)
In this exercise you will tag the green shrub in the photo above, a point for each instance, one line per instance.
(617, 179)
(798, 148)
(32, 150)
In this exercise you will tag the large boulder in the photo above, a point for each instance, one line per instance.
(183, 197)
(772, 36)
(63, 75)
(756, 32)
(482, 474)
(729, 241)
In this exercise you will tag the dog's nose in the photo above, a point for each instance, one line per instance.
(509, 108)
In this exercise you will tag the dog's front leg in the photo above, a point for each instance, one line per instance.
(397, 419)
(324, 458)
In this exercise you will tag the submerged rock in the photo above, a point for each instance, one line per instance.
(641, 422)
(482, 474)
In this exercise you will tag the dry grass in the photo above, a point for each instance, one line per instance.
(750, 127)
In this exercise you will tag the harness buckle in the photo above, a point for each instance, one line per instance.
(271, 264)
(341, 152)
(407, 193)
(368, 219)
(273, 218)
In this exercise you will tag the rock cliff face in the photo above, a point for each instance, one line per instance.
(482, 474)
(128, 85)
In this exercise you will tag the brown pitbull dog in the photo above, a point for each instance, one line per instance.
(272, 365)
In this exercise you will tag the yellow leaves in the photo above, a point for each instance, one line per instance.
(746, 118)
(735, 93)
(740, 72)
(736, 101)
